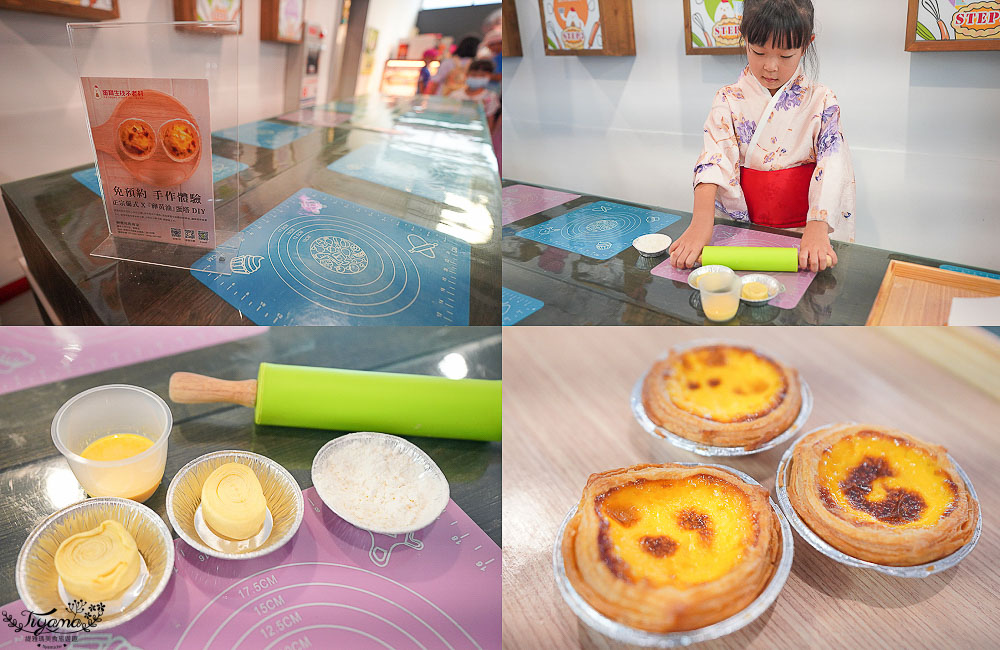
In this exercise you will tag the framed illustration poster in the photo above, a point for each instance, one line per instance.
(953, 25)
(86, 9)
(211, 11)
(282, 20)
(712, 26)
(587, 27)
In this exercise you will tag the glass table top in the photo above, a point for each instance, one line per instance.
(580, 290)
(426, 161)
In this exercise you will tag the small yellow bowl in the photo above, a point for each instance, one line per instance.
(36, 577)
(281, 491)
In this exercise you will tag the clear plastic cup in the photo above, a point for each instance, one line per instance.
(720, 295)
(107, 410)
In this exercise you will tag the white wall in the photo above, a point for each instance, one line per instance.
(42, 95)
(326, 13)
(922, 126)
(394, 19)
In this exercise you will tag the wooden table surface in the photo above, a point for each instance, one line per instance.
(566, 415)
(35, 480)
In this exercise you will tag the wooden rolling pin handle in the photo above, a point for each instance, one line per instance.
(189, 388)
(829, 260)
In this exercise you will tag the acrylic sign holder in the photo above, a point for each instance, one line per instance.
(167, 52)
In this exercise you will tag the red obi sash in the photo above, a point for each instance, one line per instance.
(778, 198)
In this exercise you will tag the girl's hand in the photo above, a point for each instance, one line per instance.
(685, 251)
(815, 247)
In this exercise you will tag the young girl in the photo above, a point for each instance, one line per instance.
(476, 80)
(774, 152)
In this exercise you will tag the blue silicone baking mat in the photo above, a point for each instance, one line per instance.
(224, 168)
(412, 167)
(319, 260)
(265, 134)
(221, 168)
(515, 306)
(600, 230)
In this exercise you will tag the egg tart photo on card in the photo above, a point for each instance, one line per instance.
(723, 395)
(881, 495)
(181, 140)
(136, 139)
(667, 548)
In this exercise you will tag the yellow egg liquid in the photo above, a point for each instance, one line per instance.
(677, 532)
(119, 446)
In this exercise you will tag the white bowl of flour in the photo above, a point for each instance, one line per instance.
(380, 483)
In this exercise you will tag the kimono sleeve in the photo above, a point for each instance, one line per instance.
(832, 190)
(719, 161)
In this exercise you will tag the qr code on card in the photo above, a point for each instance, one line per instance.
(175, 233)
(202, 235)
(189, 234)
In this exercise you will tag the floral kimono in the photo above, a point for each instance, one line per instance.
(779, 161)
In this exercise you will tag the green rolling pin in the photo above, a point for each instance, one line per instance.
(754, 258)
(354, 400)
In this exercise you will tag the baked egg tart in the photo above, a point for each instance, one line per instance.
(136, 139)
(667, 548)
(181, 140)
(722, 395)
(880, 495)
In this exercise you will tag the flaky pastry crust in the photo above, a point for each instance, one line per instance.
(664, 591)
(880, 495)
(772, 414)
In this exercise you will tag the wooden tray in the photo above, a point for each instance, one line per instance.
(156, 108)
(913, 294)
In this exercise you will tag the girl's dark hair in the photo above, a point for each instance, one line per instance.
(482, 65)
(788, 24)
(467, 47)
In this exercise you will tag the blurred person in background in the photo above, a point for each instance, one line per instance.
(424, 80)
(494, 43)
(476, 79)
(451, 75)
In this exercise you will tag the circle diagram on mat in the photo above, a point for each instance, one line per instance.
(318, 260)
(600, 230)
(345, 606)
(344, 265)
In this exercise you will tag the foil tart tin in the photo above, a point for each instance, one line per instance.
(773, 287)
(704, 270)
(639, 411)
(633, 636)
(36, 577)
(818, 543)
(281, 491)
(415, 454)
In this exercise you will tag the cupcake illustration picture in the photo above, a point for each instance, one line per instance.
(572, 16)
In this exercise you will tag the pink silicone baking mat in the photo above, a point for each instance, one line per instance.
(32, 356)
(795, 283)
(331, 586)
(520, 201)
